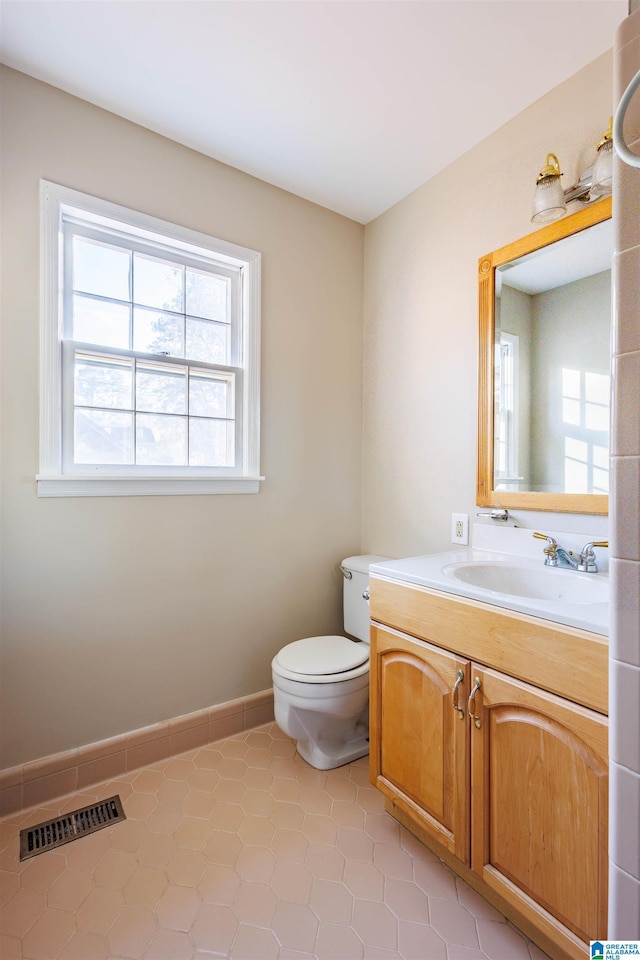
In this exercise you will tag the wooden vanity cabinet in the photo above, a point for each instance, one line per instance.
(513, 795)
(421, 760)
(539, 801)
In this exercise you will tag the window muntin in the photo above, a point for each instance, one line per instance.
(153, 345)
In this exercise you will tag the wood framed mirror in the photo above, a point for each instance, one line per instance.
(544, 367)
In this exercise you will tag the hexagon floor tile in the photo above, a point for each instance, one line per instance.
(241, 850)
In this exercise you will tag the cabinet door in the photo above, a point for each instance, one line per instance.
(419, 742)
(539, 804)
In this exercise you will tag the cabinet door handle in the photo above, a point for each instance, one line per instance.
(472, 704)
(454, 695)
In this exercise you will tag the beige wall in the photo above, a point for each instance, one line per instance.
(120, 612)
(420, 339)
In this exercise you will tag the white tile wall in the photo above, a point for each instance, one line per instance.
(625, 509)
(624, 742)
(625, 837)
(626, 403)
(624, 676)
(624, 904)
(624, 642)
(626, 296)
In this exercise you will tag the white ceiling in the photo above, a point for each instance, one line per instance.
(349, 103)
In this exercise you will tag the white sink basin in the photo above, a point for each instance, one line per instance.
(513, 581)
(536, 583)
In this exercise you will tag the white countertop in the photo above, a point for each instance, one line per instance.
(427, 571)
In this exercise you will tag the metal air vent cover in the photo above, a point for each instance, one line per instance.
(69, 826)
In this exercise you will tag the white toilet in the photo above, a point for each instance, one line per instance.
(321, 684)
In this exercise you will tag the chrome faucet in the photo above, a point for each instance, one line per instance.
(588, 557)
(557, 556)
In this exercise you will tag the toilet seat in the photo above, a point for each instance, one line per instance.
(322, 660)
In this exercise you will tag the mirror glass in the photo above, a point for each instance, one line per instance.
(552, 331)
(547, 335)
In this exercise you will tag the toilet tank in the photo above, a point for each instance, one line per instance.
(356, 608)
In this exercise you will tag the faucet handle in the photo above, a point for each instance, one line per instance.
(588, 557)
(550, 549)
(552, 543)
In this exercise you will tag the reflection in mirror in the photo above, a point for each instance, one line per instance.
(552, 330)
(545, 318)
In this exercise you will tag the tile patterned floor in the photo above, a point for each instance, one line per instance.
(241, 850)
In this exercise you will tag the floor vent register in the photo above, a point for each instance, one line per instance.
(69, 826)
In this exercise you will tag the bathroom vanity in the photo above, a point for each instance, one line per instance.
(489, 742)
(488, 686)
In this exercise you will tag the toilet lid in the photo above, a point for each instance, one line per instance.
(316, 656)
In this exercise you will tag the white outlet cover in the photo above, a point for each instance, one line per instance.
(460, 528)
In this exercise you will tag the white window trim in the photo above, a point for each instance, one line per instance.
(51, 481)
(512, 417)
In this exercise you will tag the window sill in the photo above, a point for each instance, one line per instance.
(119, 486)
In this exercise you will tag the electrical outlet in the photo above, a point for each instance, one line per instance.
(460, 528)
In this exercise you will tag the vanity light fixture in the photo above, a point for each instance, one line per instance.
(550, 200)
(602, 176)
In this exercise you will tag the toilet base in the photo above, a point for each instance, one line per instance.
(325, 742)
(329, 722)
(315, 756)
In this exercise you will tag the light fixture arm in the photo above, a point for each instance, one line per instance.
(580, 190)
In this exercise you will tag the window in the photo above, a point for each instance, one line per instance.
(149, 355)
(585, 420)
(506, 409)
